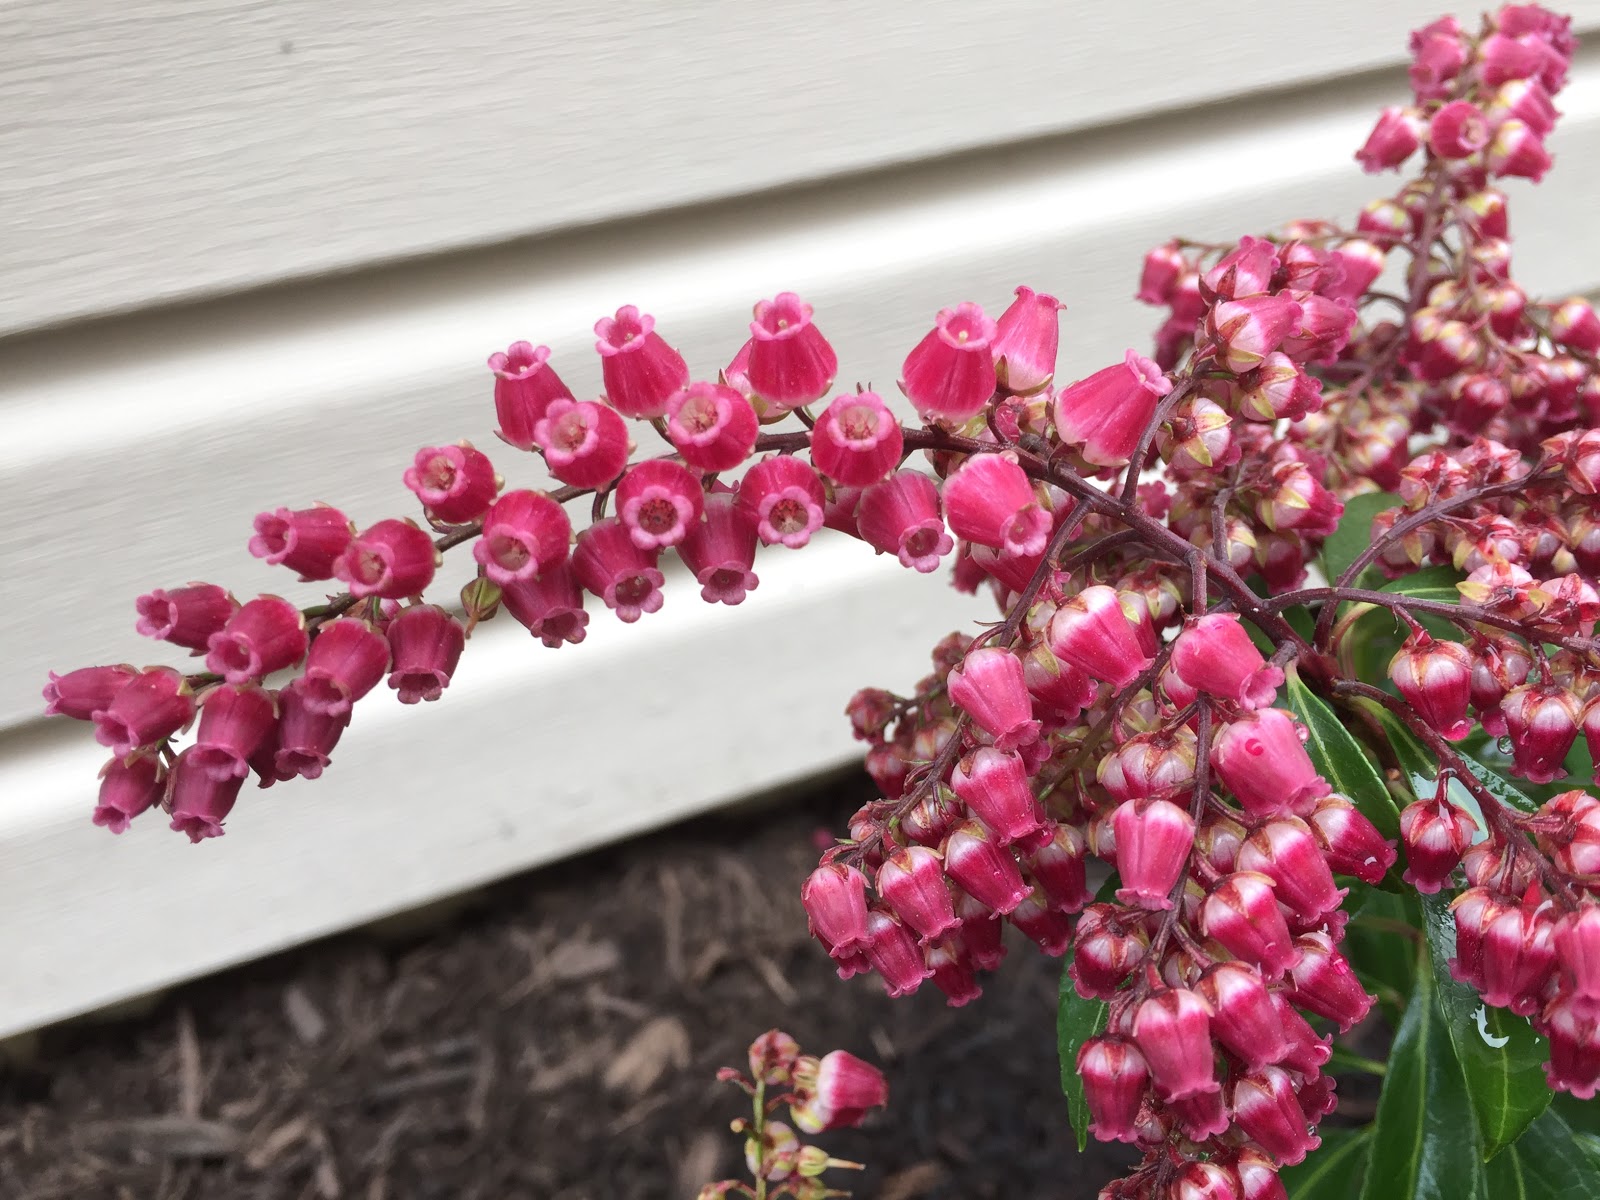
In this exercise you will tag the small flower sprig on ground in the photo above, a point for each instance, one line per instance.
(835, 1091)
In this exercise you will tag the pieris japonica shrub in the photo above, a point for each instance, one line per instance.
(1291, 643)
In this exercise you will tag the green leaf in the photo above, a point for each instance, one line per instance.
(1501, 788)
(1551, 1161)
(1340, 759)
(1416, 762)
(1425, 1141)
(1333, 1172)
(1077, 1020)
(1501, 1057)
(1354, 532)
(1430, 583)
(1378, 944)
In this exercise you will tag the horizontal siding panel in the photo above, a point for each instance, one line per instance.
(156, 151)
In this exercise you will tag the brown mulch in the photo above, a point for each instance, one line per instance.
(557, 1042)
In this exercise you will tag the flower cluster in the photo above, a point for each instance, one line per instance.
(835, 1091)
(1147, 532)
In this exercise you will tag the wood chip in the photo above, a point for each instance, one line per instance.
(577, 958)
(266, 1152)
(912, 1182)
(174, 1137)
(659, 1045)
(191, 1082)
(304, 1017)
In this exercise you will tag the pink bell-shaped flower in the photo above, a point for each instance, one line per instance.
(1264, 1106)
(551, 606)
(1324, 983)
(1518, 151)
(1572, 1025)
(305, 739)
(267, 634)
(989, 687)
(1285, 851)
(912, 883)
(348, 658)
(425, 644)
(834, 897)
(856, 441)
(1105, 414)
(994, 785)
(1577, 942)
(456, 484)
(990, 501)
(790, 362)
(308, 541)
(1393, 139)
(721, 550)
(82, 693)
(128, 787)
(952, 970)
(640, 370)
(1058, 868)
(1242, 914)
(391, 560)
(1173, 1031)
(608, 563)
(1154, 838)
(894, 954)
(950, 374)
(1245, 331)
(198, 801)
(659, 501)
(1260, 759)
(1108, 946)
(1027, 338)
(234, 722)
(1436, 680)
(983, 868)
(836, 1092)
(1436, 833)
(1214, 655)
(1094, 633)
(585, 443)
(186, 616)
(1518, 958)
(786, 498)
(1244, 1018)
(1542, 722)
(524, 386)
(1115, 1078)
(712, 425)
(1351, 844)
(525, 534)
(900, 516)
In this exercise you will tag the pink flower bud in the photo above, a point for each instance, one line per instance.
(911, 881)
(1474, 910)
(1173, 1031)
(1518, 957)
(186, 616)
(1246, 270)
(455, 483)
(952, 972)
(1436, 679)
(348, 659)
(900, 516)
(1518, 152)
(1094, 632)
(234, 722)
(524, 386)
(198, 801)
(1105, 414)
(786, 498)
(551, 606)
(153, 705)
(1435, 833)
(1244, 1018)
(713, 426)
(1260, 759)
(1058, 868)
(1363, 262)
(1258, 1176)
(659, 501)
(267, 634)
(1213, 654)
(991, 502)
(1058, 689)
(773, 1057)
(1542, 722)
(1242, 913)
(585, 443)
(1154, 838)
(425, 643)
(989, 687)
(308, 541)
(790, 362)
(640, 370)
(894, 954)
(88, 690)
(950, 375)
(1577, 941)
(1160, 763)
(721, 550)
(1027, 339)
(1197, 437)
(304, 739)
(391, 560)
(1574, 324)
(1322, 330)
(128, 786)
(1201, 1116)
(994, 785)
(838, 1093)
(834, 897)
(1285, 850)
(1158, 279)
(1502, 58)
(1043, 926)
(1458, 130)
(525, 534)
(856, 441)
(1249, 329)
(983, 868)
(1264, 1107)
(1108, 945)
(1322, 982)
(1572, 1025)
(1115, 1077)
(1394, 139)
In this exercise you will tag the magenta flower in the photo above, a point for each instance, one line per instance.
(1214, 655)
(983, 868)
(198, 801)
(551, 606)
(790, 363)
(659, 501)
(950, 375)
(1027, 338)
(1093, 632)
(1154, 838)
(786, 498)
(989, 687)
(608, 563)
(308, 541)
(425, 644)
(305, 738)
(1260, 758)
(267, 634)
(912, 883)
(585, 443)
(348, 658)
(1393, 139)
(640, 370)
(524, 386)
(455, 483)
(82, 693)
(857, 441)
(1173, 1031)
(1115, 1078)
(128, 787)
(1104, 414)
(994, 785)
(990, 501)
(712, 426)
(392, 560)
(721, 550)
(234, 722)
(525, 534)
(900, 516)
(1242, 915)
(186, 616)
(1264, 1106)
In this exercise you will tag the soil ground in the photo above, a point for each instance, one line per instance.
(557, 1041)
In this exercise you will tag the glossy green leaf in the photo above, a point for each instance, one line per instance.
(1419, 766)
(1077, 1020)
(1354, 532)
(1381, 943)
(1340, 759)
(1501, 788)
(1425, 1140)
(1334, 1171)
(1501, 1057)
(1430, 583)
(1551, 1161)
